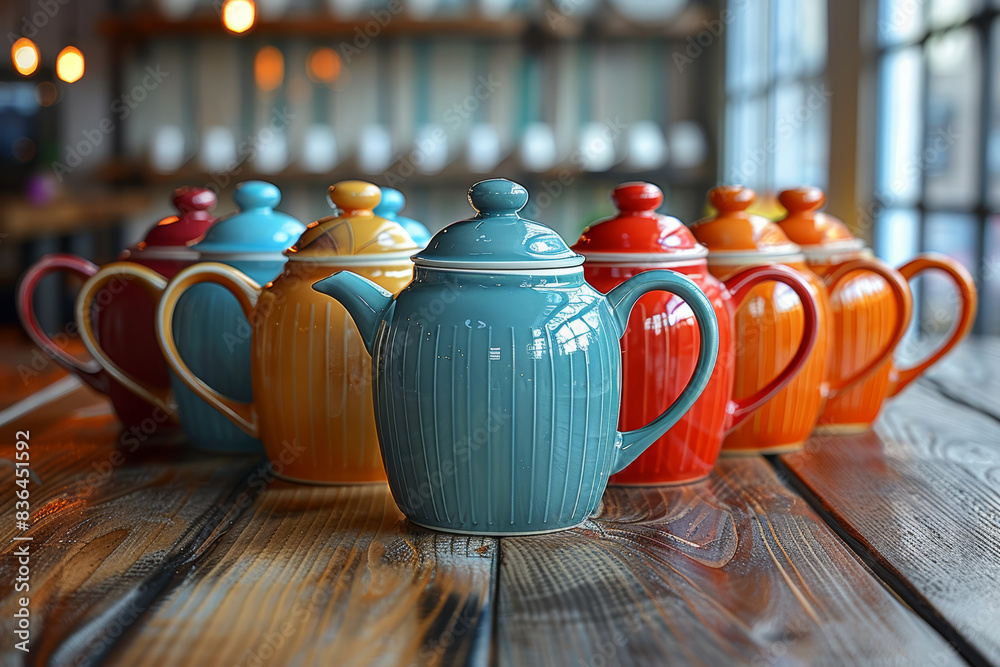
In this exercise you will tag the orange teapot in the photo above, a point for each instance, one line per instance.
(771, 321)
(310, 371)
(866, 314)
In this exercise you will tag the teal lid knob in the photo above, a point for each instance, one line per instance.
(392, 203)
(498, 196)
(255, 228)
(497, 237)
(256, 194)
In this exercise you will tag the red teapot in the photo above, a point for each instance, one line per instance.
(661, 341)
(125, 317)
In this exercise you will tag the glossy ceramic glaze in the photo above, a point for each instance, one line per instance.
(867, 313)
(309, 369)
(211, 330)
(122, 316)
(660, 344)
(389, 207)
(497, 373)
(773, 321)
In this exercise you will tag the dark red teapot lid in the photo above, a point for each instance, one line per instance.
(638, 232)
(189, 225)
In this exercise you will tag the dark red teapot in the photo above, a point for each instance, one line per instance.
(125, 312)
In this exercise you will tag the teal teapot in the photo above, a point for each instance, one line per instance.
(390, 205)
(497, 373)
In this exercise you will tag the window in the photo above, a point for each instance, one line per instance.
(777, 120)
(937, 172)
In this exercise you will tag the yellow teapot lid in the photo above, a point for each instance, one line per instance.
(354, 235)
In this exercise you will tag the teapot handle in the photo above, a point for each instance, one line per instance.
(622, 298)
(246, 292)
(153, 283)
(900, 377)
(835, 281)
(88, 371)
(740, 287)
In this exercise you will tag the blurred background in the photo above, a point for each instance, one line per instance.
(891, 106)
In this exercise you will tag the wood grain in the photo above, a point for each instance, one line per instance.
(735, 570)
(325, 576)
(25, 368)
(971, 375)
(108, 520)
(922, 496)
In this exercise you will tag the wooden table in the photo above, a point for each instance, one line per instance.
(879, 549)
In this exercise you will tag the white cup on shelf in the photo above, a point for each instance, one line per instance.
(166, 150)
(538, 147)
(430, 149)
(319, 149)
(483, 148)
(374, 149)
(647, 146)
(218, 149)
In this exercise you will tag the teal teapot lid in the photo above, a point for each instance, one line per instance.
(389, 207)
(497, 238)
(256, 228)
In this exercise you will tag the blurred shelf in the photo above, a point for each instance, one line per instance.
(456, 173)
(22, 220)
(139, 27)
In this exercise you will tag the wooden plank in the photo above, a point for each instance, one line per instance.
(734, 570)
(111, 516)
(921, 495)
(325, 576)
(24, 368)
(971, 375)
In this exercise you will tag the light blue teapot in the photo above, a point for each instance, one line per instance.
(212, 333)
(391, 204)
(497, 373)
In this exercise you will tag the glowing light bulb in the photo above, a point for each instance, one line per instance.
(70, 64)
(324, 65)
(269, 68)
(24, 53)
(238, 15)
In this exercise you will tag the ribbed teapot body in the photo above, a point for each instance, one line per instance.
(864, 315)
(312, 376)
(213, 337)
(497, 399)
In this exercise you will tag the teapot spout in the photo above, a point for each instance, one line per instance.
(366, 302)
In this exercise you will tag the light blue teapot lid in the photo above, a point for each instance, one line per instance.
(389, 207)
(497, 238)
(256, 228)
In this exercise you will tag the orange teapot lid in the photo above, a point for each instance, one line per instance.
(811, 228)
(355, 234)
(734, 231)
(638, 233)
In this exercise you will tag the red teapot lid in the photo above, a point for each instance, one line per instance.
(638, 232)
(189, 225)
(734, 231)
(811, 228)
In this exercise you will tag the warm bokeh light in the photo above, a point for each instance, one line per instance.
(324, 65)
(70, 64)
(238, 15)
(24, 54)
(46, 93)
(269, 68)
